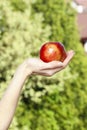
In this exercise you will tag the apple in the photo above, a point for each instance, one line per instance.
(51, 51)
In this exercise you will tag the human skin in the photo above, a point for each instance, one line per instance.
(31, 66)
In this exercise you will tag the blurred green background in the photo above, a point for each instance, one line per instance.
(55, 103)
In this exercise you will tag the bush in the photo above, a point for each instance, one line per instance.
(55, 103)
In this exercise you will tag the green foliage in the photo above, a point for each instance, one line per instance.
(46, 120)
(21, 38)
(19, 5)
(62, 19)
(55, 103)
(57, 14)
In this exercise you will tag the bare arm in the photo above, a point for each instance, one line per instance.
(10, 98)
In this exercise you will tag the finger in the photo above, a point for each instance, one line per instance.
(58, 64)
(43, 65)
(70, 55)
(49, 72)
(49, 69)
(52, 65)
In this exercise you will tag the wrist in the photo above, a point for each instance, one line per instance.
(25, 69)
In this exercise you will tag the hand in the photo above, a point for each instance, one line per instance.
(37, 66)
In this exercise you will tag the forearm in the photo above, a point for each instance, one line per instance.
(10, 98)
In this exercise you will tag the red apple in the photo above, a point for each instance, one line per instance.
(51, 51)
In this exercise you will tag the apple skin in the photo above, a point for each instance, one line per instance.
(51, 51)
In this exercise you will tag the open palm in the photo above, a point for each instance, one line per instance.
(48, 69)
